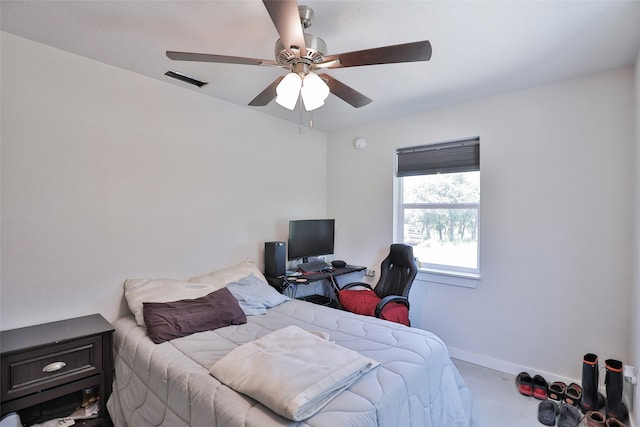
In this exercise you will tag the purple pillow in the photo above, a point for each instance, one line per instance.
(169, 320)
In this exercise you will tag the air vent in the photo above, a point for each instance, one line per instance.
(185, 78)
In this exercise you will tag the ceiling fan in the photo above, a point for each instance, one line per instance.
(304, 55)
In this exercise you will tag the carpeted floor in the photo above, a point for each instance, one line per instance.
(496, 401)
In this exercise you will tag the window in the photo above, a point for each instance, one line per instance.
(439, 205)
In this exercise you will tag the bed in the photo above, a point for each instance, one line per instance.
(413, 381)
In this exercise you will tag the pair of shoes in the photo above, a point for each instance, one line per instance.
(592, 399)
(559, 392)
(536, 386)
(548, 410)
(594, 419)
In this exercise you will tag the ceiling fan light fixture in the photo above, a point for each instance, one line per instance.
(314, 91)
(288, 90)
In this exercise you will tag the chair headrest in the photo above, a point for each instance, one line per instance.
(401, 255)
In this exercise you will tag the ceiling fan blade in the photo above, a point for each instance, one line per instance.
(345, 92)
(286, 18)
(266, 95)
(408, 52)
(206, 57)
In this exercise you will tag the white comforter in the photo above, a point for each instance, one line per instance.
(169, 384)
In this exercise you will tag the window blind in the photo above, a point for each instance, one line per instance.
(444, 157)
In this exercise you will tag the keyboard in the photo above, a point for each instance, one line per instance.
(311, 266)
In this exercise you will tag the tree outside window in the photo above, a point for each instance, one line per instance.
(440, 214)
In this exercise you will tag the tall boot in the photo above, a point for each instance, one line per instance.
(592, 399)
(613, 380)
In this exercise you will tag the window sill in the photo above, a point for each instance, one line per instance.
(453, 278)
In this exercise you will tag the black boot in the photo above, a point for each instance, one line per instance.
(613, 380)
(592, 399)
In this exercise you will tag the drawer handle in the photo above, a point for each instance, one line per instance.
(55, 366)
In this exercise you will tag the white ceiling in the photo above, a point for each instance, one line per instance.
(480, 48)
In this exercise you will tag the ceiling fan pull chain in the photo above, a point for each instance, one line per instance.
(299, 115)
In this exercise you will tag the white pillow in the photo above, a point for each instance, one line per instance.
(231, 274)
(137, 291)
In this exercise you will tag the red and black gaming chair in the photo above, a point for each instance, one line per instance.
(389, 300)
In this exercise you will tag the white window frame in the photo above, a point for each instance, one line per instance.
(434, 273)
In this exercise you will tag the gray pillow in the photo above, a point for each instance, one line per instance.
(255, 296)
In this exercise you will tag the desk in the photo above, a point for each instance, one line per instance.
(318, 287)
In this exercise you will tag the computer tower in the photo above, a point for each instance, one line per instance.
(275, 256)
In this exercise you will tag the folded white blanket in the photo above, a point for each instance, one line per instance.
(291, 371)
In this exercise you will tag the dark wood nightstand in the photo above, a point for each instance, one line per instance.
(43, 362)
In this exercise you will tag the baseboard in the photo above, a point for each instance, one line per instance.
(504, 366)
(515, 369)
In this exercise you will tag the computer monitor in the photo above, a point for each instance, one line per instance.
(310, 238)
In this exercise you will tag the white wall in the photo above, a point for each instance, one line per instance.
(635, 301)
(108, 175)
(556, 221)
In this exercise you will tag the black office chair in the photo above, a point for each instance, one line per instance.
(397, 272)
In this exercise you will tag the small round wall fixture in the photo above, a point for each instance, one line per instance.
(360, 143)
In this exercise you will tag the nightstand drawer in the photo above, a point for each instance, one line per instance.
(39, 369)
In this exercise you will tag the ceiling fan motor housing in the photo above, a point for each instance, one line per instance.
(316, 49)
